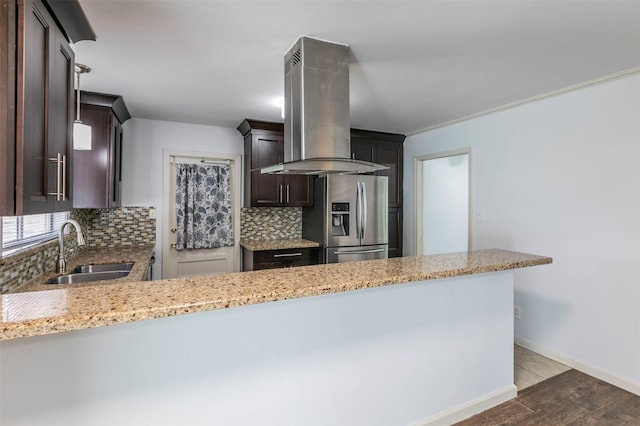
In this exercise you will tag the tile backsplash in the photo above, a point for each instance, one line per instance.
(125, 226)
(270, 223)
(19, 268)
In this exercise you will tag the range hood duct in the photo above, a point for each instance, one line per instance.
(316, 99)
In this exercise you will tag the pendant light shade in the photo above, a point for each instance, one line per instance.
(81, 131)
(81, 136)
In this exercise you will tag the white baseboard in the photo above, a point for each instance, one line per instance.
(586, 368)
(471, 408)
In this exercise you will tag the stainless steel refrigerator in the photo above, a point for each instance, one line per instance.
(348, 218)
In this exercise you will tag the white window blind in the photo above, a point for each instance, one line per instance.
(19, 232)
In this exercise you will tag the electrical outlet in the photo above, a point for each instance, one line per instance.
(517, 312)
(152, 213)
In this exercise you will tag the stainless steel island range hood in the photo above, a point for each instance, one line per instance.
(316, 123)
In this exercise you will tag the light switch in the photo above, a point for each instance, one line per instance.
(152, 213)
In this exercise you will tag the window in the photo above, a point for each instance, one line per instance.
(21, 232)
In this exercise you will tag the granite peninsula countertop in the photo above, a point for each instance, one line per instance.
(140, 255)
(65, 309)
(279, 244)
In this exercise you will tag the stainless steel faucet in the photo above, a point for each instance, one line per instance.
(62, 262)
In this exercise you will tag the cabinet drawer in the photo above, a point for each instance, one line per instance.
(271, 259)
(278, 265)
(285, 255)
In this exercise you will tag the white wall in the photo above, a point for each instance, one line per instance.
(383, 356)
(142, 168)
(561, 177)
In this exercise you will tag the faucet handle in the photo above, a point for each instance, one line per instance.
(62, 264)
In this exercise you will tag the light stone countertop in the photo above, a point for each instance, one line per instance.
(279, 244)
(65, 309)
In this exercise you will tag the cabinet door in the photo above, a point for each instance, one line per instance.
(390, 154)
(60, 124)
(298, 191)
(44, 113)
(8, 21)
(114, 177)
(116, 161)
(362, 150)
(32, 156)
(395, 232)
(98, 172)
(266, 150)
(91, 168)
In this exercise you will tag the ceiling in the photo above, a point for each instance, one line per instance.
(414, 64)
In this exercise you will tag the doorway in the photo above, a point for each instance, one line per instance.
(443, 202)
(182, 263)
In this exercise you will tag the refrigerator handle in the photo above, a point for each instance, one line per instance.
(380, 250)
(364, 210)
(358, 210)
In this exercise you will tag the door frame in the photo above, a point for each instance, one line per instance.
(236, 195)
(417, 167)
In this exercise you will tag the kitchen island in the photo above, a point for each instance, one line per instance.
(392, 341)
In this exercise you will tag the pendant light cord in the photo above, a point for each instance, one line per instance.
(80, 69)
(78, 101)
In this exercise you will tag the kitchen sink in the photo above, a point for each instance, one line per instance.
(87, 277)
(122, 266)
(98, 272)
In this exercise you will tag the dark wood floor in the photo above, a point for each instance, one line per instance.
(570, 398)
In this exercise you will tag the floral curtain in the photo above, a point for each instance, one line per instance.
(203, 206)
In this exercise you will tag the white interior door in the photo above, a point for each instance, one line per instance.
(442, 203)
(183, 263)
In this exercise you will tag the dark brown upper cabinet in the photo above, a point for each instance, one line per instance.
(264, 146)
(39, 79)
(97, 173)
(36, 109)
(382, 148)
(387, 149)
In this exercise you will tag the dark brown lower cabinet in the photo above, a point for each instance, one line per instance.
(395, 232)
(272, 259)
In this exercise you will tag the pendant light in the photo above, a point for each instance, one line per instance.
(81, 131)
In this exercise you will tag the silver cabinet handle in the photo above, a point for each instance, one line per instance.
(281, 193)
(59, 164)
(287, 194)
(287, 255)
(58, 160)
(64, 177)
(61, 176)
(359, 252)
